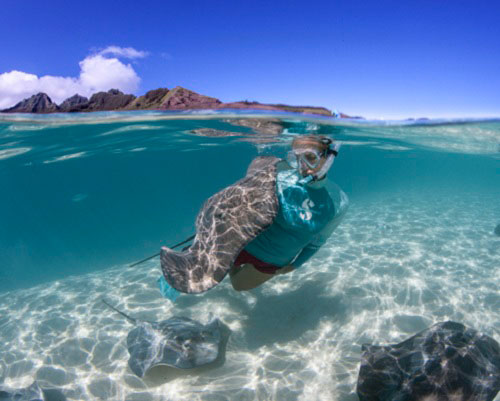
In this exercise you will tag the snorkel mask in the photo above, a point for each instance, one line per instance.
(304, 159)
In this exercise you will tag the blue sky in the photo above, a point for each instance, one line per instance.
(382, 59)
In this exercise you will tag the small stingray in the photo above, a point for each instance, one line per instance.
(497, 230)
(444, 362)
(31, 393)
(179, 342)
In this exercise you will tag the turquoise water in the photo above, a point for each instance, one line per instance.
(84, 196)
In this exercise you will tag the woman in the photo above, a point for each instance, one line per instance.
(310, 208)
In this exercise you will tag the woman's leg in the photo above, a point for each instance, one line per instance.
(247, 277)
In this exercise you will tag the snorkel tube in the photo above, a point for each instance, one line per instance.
(332, 152)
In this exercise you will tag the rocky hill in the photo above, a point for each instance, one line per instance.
(178, 98)
(152, 100)
(39, 103)
(101, 101)
(107, 101)
(73, 103)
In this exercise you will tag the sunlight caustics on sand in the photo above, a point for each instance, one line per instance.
(417, 246)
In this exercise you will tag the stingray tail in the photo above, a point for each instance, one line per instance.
(131, 319)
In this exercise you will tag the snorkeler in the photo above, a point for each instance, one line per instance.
(308, 213)
(268, 223)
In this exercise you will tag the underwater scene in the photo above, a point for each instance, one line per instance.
(85, 196)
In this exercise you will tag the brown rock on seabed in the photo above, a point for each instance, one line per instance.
(268, 126)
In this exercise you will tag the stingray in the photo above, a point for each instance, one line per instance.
(31, 393)
(226, 223)
(497, 230)
(444, 362)
(178, 342)
(211, 132)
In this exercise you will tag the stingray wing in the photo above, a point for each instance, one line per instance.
(31, 393)
(379, 375)
(142, 344)
(445, 361)
(227, 222)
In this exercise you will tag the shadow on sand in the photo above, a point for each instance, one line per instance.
(287, 316)
(283, 317)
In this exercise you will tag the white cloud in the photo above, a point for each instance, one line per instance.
(126, 52)
(97, 73)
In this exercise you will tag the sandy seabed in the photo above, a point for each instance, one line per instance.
(397, 264)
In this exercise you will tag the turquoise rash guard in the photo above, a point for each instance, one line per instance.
(307, 216)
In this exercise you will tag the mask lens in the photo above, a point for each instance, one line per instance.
(308, 157)
(311, 159)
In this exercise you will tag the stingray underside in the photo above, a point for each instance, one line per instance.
(226, 223)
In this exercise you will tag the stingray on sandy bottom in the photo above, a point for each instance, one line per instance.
(31, 393)
(178, 342)
(444, 362)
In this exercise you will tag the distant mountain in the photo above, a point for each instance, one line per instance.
(101, 101)
(152, 100)
(178, 98)
(73, 103)
(107, 101)
(39, 103)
